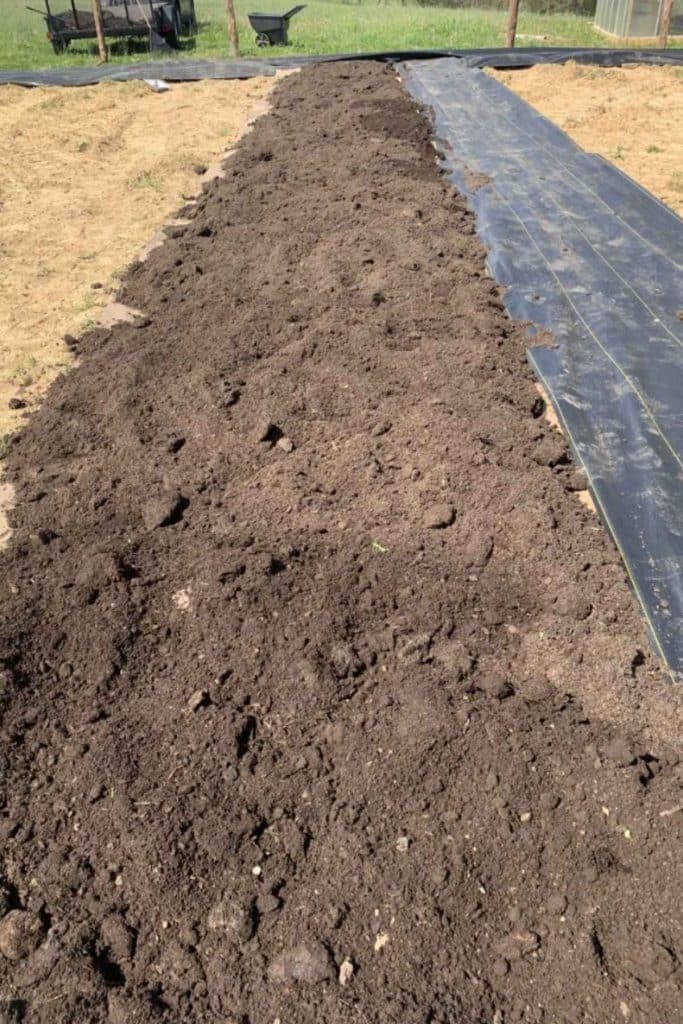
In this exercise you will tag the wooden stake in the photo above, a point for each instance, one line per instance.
(511, 31)
(232, 28)
(665, 22)
(101, 45)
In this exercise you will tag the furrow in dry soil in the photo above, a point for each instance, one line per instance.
(317, 677)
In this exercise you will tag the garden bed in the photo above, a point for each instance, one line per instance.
(324, 697)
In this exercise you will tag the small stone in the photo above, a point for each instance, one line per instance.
(267, 431)
(381, 428)
(438, 517)
(573, 605)
(478, 552)
(519, 943)
(454, 657)
(557, 903)
(285, 444)
(525, 817)
(16, 403)
(402, 844)
(96, 792)
(438, 875)
(495, 686)
(576, 480)
(267, 903)
(232, 916)
(20, 933)
(200, 169)
(620, 751)
(163, 510)
(501, 967)
(310, 964)
(118, 937)
(199, 699)
(346, 970)
(345, 661)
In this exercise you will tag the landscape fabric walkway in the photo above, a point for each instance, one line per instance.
(590, 255)
(323, 696)
(187, 69)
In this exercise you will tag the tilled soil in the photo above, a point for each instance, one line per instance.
(301, 627)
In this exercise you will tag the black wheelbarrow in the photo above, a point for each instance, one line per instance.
(271, 29)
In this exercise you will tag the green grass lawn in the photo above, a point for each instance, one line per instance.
(325, 26)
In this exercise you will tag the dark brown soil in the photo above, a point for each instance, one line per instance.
(304, 634)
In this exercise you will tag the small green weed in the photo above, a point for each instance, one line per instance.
(145, 179)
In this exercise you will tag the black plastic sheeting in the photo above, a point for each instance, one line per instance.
(174, 70)
(590, 256)
(180, 69)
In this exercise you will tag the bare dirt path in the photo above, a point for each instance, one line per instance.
(631, 115)
(324, 699)
(86, 178)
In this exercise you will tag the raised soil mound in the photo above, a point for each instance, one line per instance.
(295, 617)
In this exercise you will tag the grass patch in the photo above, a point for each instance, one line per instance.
(5, 445)
(325, 26)
(145, 179)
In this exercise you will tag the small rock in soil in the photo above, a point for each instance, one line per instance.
(345, 661)
(557, 903)
(454, 657)
(549, 452)
(233, 916)
(381, 428)
(163, 510)
(438, 517)
(619, 751)
(495, 686)
(478, 552)
(16, 403)
(118, 937)
(20, 933)
(346, 971)
(267, 431)
(518, 943)
(576, 480)
(501, 968)
(267, 903)
(308, 963)
(199, 699)
(285, 444)
(573, 605)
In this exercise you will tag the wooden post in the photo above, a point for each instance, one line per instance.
(511, 31)
(666, 11)
(232, 28)
(101, 45)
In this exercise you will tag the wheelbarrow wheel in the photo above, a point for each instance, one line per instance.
(59, 46)
(262, 39)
